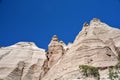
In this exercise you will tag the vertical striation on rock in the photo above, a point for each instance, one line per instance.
(16, 61)
(97, 45)
(17, 73)
(56, 49)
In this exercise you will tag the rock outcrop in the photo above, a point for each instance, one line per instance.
(56, 49)
(22, 61)
(97, 45)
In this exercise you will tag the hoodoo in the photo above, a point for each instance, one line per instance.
(94, 55)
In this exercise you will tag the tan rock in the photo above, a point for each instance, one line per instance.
(96, 45)
(89, 48)
(55, 51)
(16, 61)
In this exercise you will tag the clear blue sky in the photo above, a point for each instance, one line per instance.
(38, 20)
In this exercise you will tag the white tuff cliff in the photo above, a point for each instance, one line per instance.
(96, 45)
(22, 61)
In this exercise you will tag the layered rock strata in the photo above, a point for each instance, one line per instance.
(96, 45)
(22, 61)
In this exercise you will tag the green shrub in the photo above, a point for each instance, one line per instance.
(115, 71)
(89, 71)
(113, 74)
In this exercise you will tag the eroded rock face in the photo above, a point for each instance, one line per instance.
(22, 61)
(96, 45)
(56, 49)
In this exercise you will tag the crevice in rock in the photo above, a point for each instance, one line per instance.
(30, 73)
(16, 74)
(55, 52)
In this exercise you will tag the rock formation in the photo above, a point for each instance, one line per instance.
(22, 61)
(96, 45)
(56, 49)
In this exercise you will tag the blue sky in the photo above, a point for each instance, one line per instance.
(38, 20)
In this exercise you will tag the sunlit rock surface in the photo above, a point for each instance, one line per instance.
(22, 61)
(96, 45)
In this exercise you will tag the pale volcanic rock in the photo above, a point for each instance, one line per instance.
(17, 61)
(55, 51)
(95, 45)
